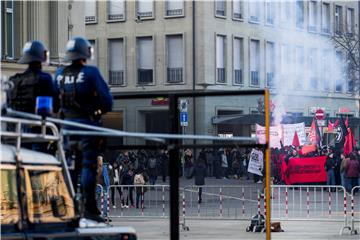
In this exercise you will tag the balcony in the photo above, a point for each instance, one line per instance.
(237, 15)
(145, 76)
(220, 75)
(254, 78)
(174, 12)
(254, 18)
(220, 12)
(174, 75)
(116, 78)
(145, 14)
(114, 17)
(90, 19)
(238, 79)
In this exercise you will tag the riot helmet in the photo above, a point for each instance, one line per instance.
(34, 51)
(78, 48)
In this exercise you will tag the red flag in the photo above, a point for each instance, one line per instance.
(347, 122)
(331, 126)
(350, 142)
(314, 133)
(295, 141)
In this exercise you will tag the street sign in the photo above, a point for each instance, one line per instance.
(184, 119)
(321, 123)
(320, 114)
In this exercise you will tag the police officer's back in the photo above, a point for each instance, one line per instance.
(32, 83)
(84, 97)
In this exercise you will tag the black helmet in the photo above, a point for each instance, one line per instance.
(78, 48)
(33, 51)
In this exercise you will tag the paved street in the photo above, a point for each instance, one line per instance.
(226, 212)
(159, 229)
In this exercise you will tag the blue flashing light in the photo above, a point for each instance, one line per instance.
(44, 106)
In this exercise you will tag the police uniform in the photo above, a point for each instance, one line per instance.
(32, 83)
(84, 97)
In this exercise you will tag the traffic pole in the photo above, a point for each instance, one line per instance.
(267, 163)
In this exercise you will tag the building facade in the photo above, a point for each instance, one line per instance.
(144, 46)
(52, 22)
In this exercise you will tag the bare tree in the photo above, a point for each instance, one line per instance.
(349, 43)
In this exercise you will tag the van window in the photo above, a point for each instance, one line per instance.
(48, 198)
(10, 212)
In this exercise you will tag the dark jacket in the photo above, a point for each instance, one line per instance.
(199, 173)
(352, 169)
(329, 164)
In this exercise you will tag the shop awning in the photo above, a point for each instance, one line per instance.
(248, 119)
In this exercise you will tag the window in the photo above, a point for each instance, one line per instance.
(285, 58)
(116, 61)
(93, 60)
(238, 61)
(300, 68)
(270, 64)
(254, 62)
(313, 68)
(312, 16)
(238, 12)
(90, 11)
(338, 19)
(10, 211)
(220, 8)
(9, 47)
(270, 12)
(254, 11)
(220, 59)
(339, 61)
(175, 58)
(145, 60)
(300, 14)
(285, 12)
(325, 21)
(350, 21)
(325, 73)
(145, 8)
(47, 196)
(174, 7)
(116, 10)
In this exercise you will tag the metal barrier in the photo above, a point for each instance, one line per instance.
(288, 203)
(139, 201)
(355, 209)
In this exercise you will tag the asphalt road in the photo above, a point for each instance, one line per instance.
(228, 205)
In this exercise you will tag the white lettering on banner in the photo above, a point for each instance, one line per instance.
(275, 135)
(288, 131)
(256, 162)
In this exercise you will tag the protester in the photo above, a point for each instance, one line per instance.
(352, 170)
(188, 162)
(344, 162)
(152, 168)
(140, 179)
(116, 169)
(329, 167)
(224, 163)
(200, 173)
(103, 179)
(128, 181)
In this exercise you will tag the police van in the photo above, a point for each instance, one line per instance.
(37, 197)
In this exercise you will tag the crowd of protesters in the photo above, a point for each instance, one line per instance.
(342, 169)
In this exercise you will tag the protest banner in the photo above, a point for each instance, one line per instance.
(256, 162)
(275, 135)
(304, 170)
(288, 132)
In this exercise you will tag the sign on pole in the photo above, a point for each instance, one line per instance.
(184, 119)
(320, 114)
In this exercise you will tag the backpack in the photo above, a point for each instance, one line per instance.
(139, 179)
(257, 224)
(152, 163)
(22, 96)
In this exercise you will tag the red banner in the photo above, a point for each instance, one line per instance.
(304, 170)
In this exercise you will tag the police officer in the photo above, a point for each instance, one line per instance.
(84, 97)
(32, 83)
